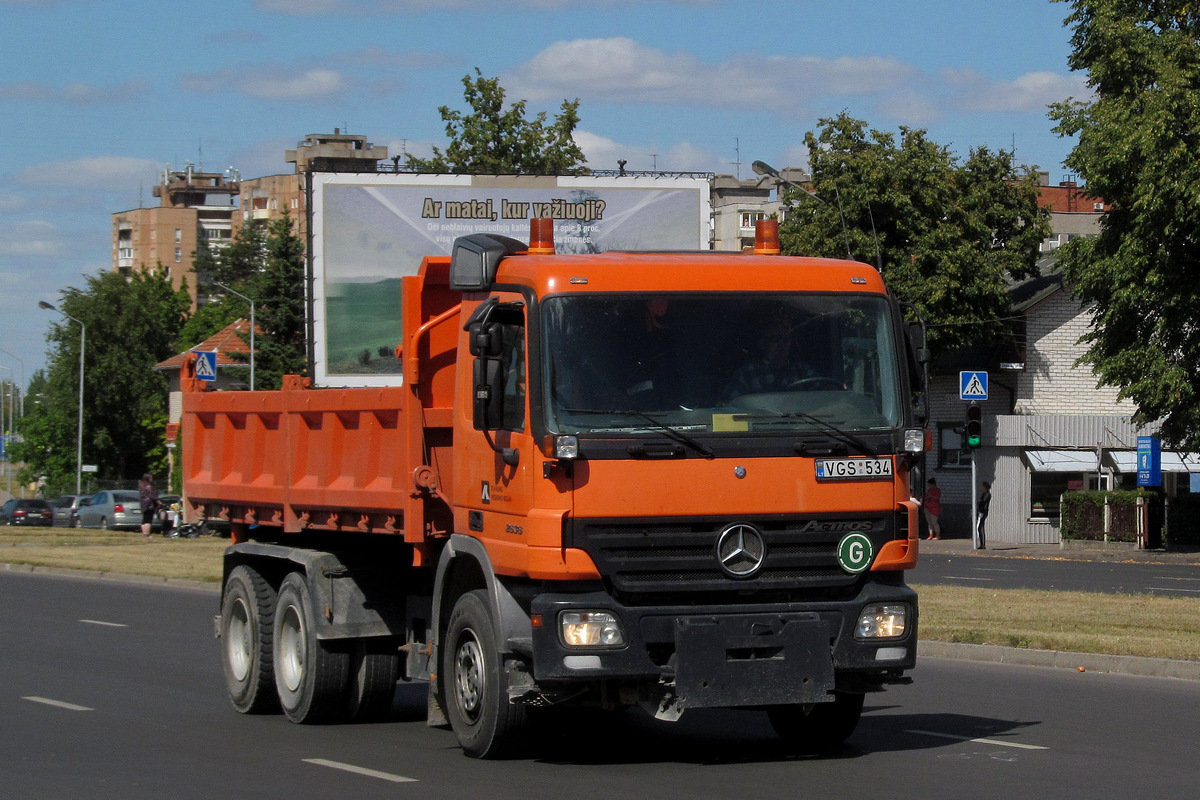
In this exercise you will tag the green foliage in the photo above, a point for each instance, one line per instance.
(492, 140)
(132, 323)
(1139, 149)
(1083, 515)
(278, 292)
(948, 233)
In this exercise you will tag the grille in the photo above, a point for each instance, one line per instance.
(680, 555)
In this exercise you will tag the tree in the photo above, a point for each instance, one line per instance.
(278, 290)
(492, 140)
(946, 233)
(132, 324)
(1139, 150)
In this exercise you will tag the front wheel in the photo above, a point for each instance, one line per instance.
(247, 620)
(310, 675)
(817, 726)
(485, 722)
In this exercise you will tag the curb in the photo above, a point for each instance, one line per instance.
(119, 577)
(1082, 662)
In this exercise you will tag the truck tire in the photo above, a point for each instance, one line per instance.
(310, 675)
(247, 620)
(817, 726)
(374, 670)
(485, 722)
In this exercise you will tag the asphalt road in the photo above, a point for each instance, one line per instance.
(1176, 580)
(114, 690)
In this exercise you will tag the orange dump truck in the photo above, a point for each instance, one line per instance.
(675, 480)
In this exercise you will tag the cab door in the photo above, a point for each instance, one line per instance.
(494, 481)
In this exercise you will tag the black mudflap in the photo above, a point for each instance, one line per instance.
(752, 660)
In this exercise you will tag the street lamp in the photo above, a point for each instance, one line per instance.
(79, 431)
(763, 168)
(251, 302)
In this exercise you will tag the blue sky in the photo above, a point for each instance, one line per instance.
(96, 96)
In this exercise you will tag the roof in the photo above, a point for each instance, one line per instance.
(225, 341)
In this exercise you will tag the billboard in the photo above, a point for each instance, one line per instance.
(370, 229)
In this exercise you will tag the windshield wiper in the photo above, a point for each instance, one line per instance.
(846, 437)
(673, 433)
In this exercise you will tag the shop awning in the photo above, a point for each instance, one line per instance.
(1061, 460)
(1126, 461)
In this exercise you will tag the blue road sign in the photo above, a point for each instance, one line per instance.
(206, 365)
(972, 385)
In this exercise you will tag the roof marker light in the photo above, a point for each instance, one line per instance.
(766, 237)
(541, 236)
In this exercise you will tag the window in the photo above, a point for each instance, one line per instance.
(1045, 489)
(178, 236)
(751, 217)
(951, 452)
(512, 357)
(178, 255)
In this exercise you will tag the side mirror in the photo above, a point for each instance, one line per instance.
(485, 339)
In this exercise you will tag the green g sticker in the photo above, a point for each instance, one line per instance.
(855, 552)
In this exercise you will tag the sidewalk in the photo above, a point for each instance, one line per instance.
(1068, 551)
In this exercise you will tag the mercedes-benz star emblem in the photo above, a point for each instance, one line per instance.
(741, 550)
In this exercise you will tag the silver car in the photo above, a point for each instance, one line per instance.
(110, 509)
(64, 509)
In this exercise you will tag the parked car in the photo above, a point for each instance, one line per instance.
(26, 511)
(64, 509)
(83, 501)
(110, 509)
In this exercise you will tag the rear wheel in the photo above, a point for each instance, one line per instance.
(475, 683)
(247, 620)
(310, 675)
(104, 523)
(374, 670)
(818, 726)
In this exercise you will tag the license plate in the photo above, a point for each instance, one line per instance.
(853, 469)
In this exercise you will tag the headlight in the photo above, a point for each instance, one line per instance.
(591, 629)
(882, 622)
(566, 447)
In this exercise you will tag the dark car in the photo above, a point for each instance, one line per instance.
(64, 509)
(26, 511)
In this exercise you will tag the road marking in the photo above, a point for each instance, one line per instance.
(1172, 589)
(1173, 578)
(983, 569)
(57, 704)
(106, 624)
(370, 773)
(972, 739)
(965, 578)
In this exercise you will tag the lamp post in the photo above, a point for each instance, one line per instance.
(251, 302)
(79, 431)
(6, 393)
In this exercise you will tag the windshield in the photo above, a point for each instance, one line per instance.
(720, 363)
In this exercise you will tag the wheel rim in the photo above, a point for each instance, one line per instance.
(238, 638)
(292, 647)
(469, 675)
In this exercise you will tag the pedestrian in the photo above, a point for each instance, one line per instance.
(149, 500)
(933, 509)
(985, 500)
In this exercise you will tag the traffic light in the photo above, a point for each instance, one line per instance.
(973, 431)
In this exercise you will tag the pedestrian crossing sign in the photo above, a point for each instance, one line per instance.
(972, 385)
(206, 365)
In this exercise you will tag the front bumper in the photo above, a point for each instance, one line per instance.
(732, 655)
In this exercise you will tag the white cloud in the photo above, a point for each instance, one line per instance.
(273, 82)
(100, 172)
(1032, 91)
(622, 70)
(76, 93)
(36, 238)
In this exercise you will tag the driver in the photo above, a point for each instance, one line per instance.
(776, 369)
